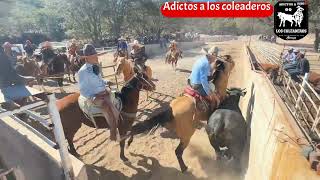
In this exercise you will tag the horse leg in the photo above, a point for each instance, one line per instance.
(74, 76)
(72, 149)
(122, 155)
(60, 83)
(179, 152)
(130, 140)
(175, 65)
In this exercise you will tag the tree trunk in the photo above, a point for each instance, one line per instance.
(317, 39)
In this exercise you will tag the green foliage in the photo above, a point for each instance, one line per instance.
(96, 20)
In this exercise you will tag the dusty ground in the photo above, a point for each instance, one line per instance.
(152, 156)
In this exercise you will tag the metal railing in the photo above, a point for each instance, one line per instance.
(301, 98)
(55, 125)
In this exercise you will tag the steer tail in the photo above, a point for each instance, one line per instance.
(147, 125)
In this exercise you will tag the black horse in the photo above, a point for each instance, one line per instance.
(227, 128)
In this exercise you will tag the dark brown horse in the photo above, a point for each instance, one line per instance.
(54, 70)
(73, 66)
(72, 117)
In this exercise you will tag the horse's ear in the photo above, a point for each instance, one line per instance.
(244, 93)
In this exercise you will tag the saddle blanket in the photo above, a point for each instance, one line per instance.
(92, 110)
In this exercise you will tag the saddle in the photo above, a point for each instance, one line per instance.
(202, 103)
(91, 110)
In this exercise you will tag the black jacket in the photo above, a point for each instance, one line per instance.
(303, 66)
(8, 75)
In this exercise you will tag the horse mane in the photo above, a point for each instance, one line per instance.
(220, 68)
(67, 101)
(126, 88)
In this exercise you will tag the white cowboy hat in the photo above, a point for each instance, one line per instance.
(121, 38)
(296, 50)
(173, 42)
(135, 42)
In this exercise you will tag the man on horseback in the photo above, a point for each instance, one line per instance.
(29, 48)
(173, 49)
(122, 49)
(47, 56)
(199, 80)
(138, 54)
(8, 74)
(10, 54)
(93, 87)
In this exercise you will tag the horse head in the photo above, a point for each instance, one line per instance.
(141, 81)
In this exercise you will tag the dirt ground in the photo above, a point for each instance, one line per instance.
(153, 156)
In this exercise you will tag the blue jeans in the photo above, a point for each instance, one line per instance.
(290, 66)
(199, 88)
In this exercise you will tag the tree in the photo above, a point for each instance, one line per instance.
(144, 18)
(314, 18)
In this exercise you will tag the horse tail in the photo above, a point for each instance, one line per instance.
(147, 125)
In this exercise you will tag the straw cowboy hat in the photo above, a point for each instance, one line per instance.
(174, 42)
(211, 51)
(121, 38)
(46, 44)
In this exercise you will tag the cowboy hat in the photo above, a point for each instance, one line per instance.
(211, 50)
(121, 38)
(173, 42)
(89, 50)
(7, 45)
(47, 44)
(135, 42)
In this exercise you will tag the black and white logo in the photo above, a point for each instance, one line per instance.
(291, 20)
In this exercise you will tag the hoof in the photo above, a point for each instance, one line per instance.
(124, 159)
(129, 143)
(184, 169)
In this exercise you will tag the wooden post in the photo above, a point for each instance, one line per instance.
(60, 138)
(115, 76)
(304, 84)
(316, 121)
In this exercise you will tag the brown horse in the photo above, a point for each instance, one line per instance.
(172, 57)
(28, 67)
(72, 117)
(182, 113)
(73, 66)
(127, 68)
(271, 69)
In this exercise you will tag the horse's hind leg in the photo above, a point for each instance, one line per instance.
(130, 140)
(122, 155)
(179, 153)
(72, 149)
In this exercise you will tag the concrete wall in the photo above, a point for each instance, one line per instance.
(31, 157)
(269, 157)
(154, 49)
